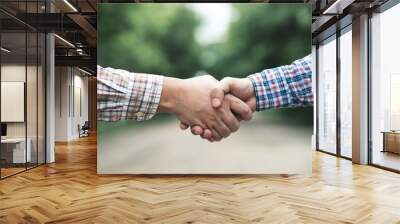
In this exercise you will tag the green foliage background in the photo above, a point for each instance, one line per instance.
(160, 39)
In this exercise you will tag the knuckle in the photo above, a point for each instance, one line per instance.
(227, 79)
(246, 110)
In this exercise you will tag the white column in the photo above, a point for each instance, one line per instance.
(50, 92)
(360, 90)
(63, 103)
(50, 99)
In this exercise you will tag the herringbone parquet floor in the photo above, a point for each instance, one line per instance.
(70, 191)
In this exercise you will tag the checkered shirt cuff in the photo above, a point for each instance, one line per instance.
(285, 86)
(122, 95)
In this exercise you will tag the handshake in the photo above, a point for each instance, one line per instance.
(210, 108)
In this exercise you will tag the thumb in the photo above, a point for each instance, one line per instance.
(218, 93)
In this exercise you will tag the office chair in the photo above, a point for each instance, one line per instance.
(84, 130)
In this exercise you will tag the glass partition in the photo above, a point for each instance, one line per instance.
(41, 87)
(327, 95)
(32, 97)
(14, 153)
(32, 100)
(22, 88)
(385, 89)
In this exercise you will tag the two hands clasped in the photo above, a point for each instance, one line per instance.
(212, 109)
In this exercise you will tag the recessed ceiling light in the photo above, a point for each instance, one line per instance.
(70, 5)
(65, 41)
(338, 6)
(84, 71)
(5, 50)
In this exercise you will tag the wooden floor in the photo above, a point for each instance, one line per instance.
(5, 172)
(70, 191)
(387, 159)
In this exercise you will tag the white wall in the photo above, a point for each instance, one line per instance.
(15, 73)
(33, 126)
(71, 93)
(12, 73)
(80, 103)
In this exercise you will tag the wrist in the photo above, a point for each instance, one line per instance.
(169, 94)
(250, 87)
(252, 97)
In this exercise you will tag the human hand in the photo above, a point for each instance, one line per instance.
(242, 88)
(239, 87)
(190, 101)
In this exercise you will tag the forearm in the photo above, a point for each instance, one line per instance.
(284, 86)
(123, 95)
(171, 89)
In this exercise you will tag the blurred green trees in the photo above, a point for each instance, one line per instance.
(160, 39)
(148, 38)
(262, 36)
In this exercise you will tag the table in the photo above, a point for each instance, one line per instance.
(16, 147)
(391, 141)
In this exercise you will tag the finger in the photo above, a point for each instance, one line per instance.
(218, 93)
(230, 121)
(207, 133)
(208, 139)
(217, 137)
(184, 126)
(222, 129)
(240, 108)
(196, 130)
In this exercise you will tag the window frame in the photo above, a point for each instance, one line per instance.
(339, 32)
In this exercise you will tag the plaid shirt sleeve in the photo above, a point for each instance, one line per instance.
(285, 86)
(122, 95)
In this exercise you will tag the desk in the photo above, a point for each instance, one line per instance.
(13, 150)
(391, 141)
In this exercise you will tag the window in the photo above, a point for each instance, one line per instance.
(385, 89)
(346, 92)
(327, 96)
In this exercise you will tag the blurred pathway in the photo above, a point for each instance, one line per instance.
(164, 148)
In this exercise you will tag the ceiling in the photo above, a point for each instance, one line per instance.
(76, 21)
